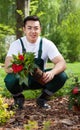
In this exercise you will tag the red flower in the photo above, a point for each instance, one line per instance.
(17, 68)
(75, 90)
(21, 57)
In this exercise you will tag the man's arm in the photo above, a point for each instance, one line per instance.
(59, 66)
(7, 63)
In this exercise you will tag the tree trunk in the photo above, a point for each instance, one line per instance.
(20, 6)
(27, 7)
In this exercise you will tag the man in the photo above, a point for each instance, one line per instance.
(43, 48)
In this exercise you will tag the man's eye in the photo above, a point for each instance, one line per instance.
(36, 28)
(29, 28)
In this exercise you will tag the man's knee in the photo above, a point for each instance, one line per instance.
(10, 81)
(63, 77)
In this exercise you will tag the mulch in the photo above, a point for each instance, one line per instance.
(59, 117)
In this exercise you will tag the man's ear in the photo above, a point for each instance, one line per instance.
(24, 30)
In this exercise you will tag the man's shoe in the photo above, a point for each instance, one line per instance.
(46, 106)
(19, 101)
(42, 103)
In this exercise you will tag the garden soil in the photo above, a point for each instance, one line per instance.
(59, 117)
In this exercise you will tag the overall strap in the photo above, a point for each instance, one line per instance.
(23, 48)
(40, 49)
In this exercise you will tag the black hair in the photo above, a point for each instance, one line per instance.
(33, 18)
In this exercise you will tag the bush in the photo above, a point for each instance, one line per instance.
(5, 115)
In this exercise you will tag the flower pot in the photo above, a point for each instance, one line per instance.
(38, 74)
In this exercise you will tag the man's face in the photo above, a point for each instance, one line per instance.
(32, 30)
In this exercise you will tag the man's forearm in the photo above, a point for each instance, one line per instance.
(7, 63)
(59, 67)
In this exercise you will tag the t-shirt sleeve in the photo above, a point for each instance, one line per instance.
(14, 48)
(52, 51)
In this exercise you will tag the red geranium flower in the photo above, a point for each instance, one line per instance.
(17, 68)
(21, 57)
(75, 90)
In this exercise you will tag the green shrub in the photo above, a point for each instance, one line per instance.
(5, 115)
(33, 125)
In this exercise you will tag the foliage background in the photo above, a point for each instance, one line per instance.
(60, 23)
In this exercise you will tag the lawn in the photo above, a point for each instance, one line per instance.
(71, 67)
(2, 75)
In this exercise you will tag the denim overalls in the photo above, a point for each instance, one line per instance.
(12, 83)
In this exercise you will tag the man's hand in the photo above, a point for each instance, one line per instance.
(47, 76)
(9, 70)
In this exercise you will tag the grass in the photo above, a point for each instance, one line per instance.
(2, 75)
(71, 68)
(74, 67)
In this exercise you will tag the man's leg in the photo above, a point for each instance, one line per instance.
(12, 84)
(50, 88)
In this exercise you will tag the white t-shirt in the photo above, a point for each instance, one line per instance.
(49, 50)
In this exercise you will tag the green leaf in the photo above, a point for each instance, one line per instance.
(23, 80)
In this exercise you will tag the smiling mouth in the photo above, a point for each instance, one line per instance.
(33, 36)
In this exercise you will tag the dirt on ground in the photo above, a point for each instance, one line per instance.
(59, 117)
